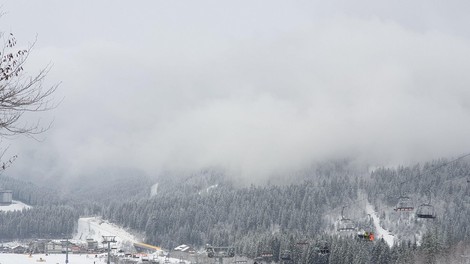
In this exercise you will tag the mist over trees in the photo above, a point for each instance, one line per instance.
(207, 208)
(276, 217)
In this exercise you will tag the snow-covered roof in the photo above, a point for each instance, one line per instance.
(182, 248)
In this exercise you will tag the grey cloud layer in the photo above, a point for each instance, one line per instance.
(260, 99)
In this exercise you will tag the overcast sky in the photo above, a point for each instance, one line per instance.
(256, 87)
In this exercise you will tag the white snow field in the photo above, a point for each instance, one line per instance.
(381, 233)
(14, 206)
(52, 258)
(73, 259)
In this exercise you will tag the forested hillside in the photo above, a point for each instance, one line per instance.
(444, 187)
(50, 215)
(211, 209)
(299, 216)
(29, 192)
(38, 222)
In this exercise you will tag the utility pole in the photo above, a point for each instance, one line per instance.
(109, 240)
(66, 241)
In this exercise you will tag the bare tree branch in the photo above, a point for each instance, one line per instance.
(19, 92)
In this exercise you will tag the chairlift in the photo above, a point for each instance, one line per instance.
(267, 255)
(405, 204)
(345, 224)
(286, 255)
(210, 251)
(323, 248)
(426, 210)
(366, 236)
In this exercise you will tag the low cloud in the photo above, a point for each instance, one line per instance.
(361, 88)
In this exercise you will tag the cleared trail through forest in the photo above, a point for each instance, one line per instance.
(381, 232)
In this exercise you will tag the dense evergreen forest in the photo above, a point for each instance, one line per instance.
(50, 216)
(209, 208)
(38, 222)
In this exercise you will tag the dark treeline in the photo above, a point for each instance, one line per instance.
(30, 193)
(38, 222)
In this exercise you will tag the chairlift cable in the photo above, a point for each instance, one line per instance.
(357, 202)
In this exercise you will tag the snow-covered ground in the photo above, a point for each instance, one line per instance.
(73, 259)
(208, 189)
(52, 258)
(14, 206)
(154, 190)
(380, 232)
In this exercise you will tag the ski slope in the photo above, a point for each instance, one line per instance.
(95, 228)
(380, 231)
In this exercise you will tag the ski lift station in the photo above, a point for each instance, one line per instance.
(6, 197)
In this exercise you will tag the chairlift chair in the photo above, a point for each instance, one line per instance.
(426, 211)
(231, 252)
(210, 252)
(404, 204)
(323, 248)
(345, 224)
(366, 236)
(286, 255)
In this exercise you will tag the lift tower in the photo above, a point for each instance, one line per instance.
(109, 240)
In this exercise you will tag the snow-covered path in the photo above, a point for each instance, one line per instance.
(380, 232)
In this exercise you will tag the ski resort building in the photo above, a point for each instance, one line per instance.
(6, 197)
(91, 244)
(142, 247)
(54, 247)
(183, 252)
